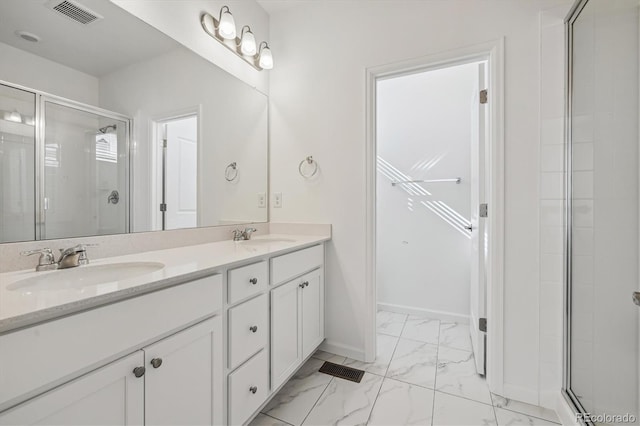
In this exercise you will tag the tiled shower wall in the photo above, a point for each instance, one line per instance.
(552, 180)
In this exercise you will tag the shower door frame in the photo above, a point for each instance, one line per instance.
(567, 392)
(41, 98)
(569, 396)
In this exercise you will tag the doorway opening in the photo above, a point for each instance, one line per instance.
(430, 136)
(434, 216)
(177, 172)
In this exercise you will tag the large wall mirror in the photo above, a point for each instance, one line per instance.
(109, 126)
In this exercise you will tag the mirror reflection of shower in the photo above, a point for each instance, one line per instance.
(105, 129)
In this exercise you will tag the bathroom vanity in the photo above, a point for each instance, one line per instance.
(202, 334)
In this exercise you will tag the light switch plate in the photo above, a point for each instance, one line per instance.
(277, 200)
(262, 200)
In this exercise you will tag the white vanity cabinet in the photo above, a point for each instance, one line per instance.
(109, 395)
(297, 311)
(169, 382)
(180, 376)
(138, 361)
(208, 351)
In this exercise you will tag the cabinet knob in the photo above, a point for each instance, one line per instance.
(253, 281)
(253, 328)
(301, 285)
(304, 284)
(253, 389)
(156, 362)
(139, 371)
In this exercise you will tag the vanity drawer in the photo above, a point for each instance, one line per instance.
(293, 264)
(247, 280)
(248, 329)
(251, 377)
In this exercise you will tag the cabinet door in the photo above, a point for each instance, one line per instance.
(285, 332)
(312, 312)
(182, 375)
(111, 395)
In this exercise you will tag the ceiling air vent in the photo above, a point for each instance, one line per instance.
(74, 11)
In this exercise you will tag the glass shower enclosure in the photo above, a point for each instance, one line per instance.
(602, 355)
(64, 168)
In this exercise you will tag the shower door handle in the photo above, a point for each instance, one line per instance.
(636, 297)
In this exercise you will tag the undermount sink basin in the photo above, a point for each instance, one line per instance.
(85, 276)
(265, 241)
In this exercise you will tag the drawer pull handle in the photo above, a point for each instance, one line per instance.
(253, 328)
(156, 362)
(253, 281)
(139, 371)
(253, 389)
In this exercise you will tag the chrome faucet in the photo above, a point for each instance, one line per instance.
(239, 235)
(73, 256)
(69, 258)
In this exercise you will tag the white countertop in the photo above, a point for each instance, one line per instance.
(22, 306)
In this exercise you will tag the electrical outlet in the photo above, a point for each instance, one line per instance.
(262, 200)
(277, 200)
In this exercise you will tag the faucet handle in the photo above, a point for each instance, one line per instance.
(46, 260)
(237, 235)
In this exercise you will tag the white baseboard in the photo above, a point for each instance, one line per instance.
(441, 315)
(520, 394)
(565, 412)
(342, 350)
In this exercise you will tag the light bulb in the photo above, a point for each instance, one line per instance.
(248, 42)
(13, 116)
(226, 25)
(266, 59)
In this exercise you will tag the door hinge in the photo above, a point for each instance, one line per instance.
(484, 96)
(482, 324)
(163, 207)
(164, 143)
(484, 210)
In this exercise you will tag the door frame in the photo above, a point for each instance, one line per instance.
(157, 156)
(493, 53)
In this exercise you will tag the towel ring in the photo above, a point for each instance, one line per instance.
(231, 172)
(308, 160)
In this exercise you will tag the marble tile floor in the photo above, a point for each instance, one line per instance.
(424, 374)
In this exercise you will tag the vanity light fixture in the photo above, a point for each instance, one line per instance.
(247, 41)
(265, 59)
(223, 30)
(226, 24)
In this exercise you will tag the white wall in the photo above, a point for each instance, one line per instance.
(318, 108)
(424, 132)
(180, 19)
(26, 69)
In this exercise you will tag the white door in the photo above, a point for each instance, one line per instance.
(479, 129)
(285, 331)
(111, 395)
(312, 312)
(181, 183)
(180, 377)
